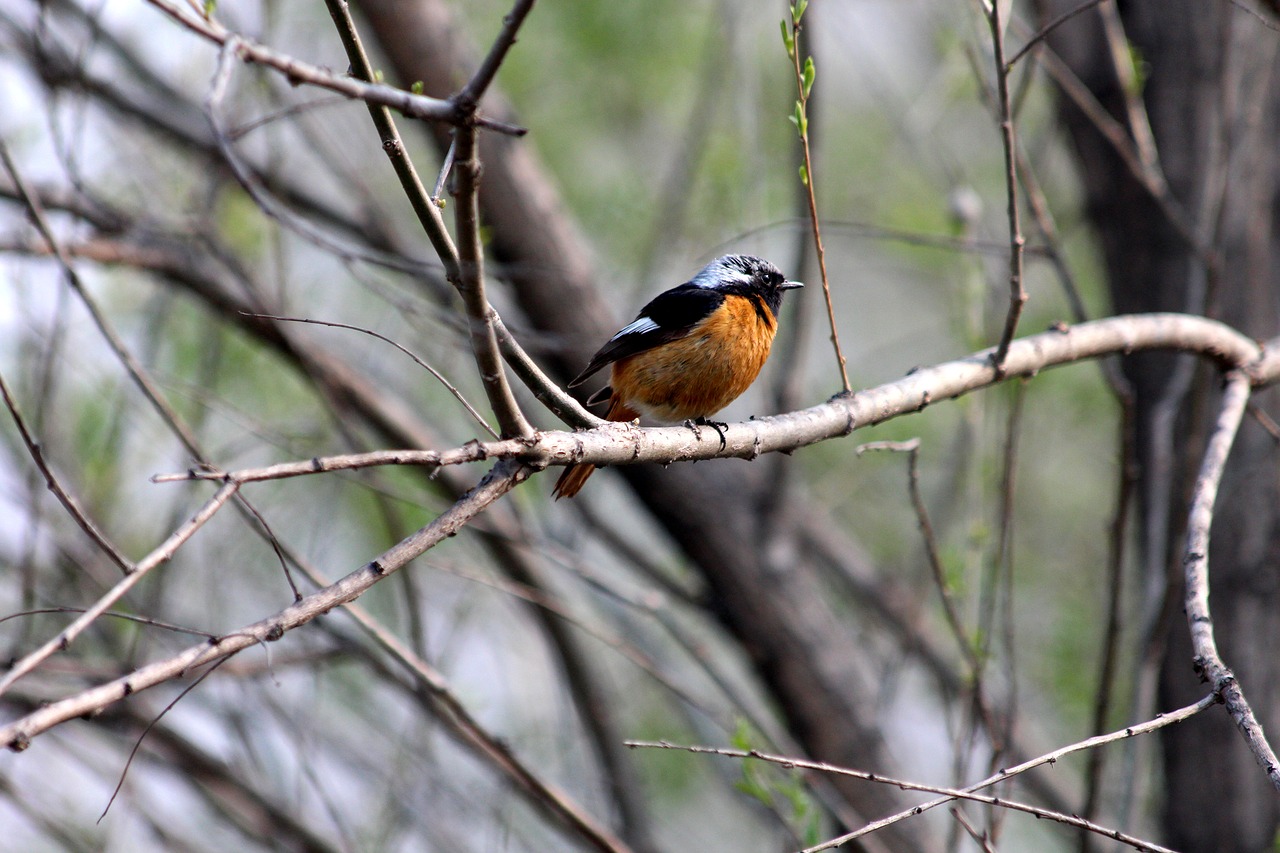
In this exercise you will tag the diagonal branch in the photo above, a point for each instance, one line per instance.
(1049, 758)
(1208, 662)
(504, 476)
(463, 264)
(158, 557)
(64, 497)
(297, 71)
(393, 145)
(480, 81)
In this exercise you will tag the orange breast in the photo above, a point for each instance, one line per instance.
(703, 372)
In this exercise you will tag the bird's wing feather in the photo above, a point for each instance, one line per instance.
(668, 317)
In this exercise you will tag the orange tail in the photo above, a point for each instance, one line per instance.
(575, 476)
(572, 480)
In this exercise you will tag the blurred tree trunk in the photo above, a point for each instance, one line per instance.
(1205, 76)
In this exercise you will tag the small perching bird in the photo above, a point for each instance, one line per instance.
(691, 351)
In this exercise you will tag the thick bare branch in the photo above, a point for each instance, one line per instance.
(621, 444)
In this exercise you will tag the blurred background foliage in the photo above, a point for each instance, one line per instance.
(664, 124)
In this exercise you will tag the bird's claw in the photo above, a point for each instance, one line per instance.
(718, 426)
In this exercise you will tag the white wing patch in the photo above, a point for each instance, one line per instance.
(637, 327)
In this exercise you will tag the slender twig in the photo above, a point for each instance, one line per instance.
(1002, 560)
(1119, 48)
(297, 72)
(968, 792)
(152, 723)
(618, 642)
(113, 614)
(480, 81)
(562, 404)
(51, 479)
(492, 749)
(980, 838)
(1265, 21)
(1049, 758)
(113, 338)
(1264, 420)
(427, 208)
(505, 476)
(427, 211)
(158, 557)
(1208, 662)
(442, 178)
(472, 452)
(1017, 293)
(1113, 132)
(254, 183)
(1044, 31)
(932, 552)
(1118, 536)
(804, 81)
(449, 386)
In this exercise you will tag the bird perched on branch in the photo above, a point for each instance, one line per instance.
(690, 352)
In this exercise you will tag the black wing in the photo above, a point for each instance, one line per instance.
(668, 317)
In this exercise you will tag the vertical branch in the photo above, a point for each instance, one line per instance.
(470, 283)
(804, 75)
(1017, 293)
(463, 264)
(1117, 537)
(1208, 663)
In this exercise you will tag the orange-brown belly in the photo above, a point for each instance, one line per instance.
(703, 372)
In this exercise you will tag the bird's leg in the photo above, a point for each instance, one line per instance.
(718, 426)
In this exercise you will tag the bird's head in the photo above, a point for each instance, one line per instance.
(748, 276)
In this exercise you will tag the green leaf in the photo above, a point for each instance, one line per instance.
(797, 11)
(377, 76)
(788, 40)
(417, 87)
(809, 73)
(799, 119)
(804, 175)
(210, 6)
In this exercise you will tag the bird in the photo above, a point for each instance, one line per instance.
(691, 351)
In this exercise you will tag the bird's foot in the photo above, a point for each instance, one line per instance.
(718, 426)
